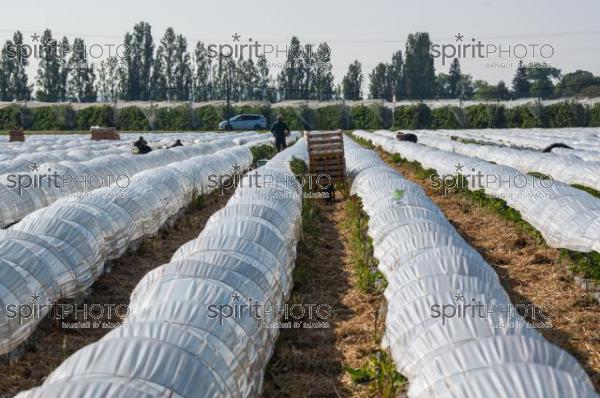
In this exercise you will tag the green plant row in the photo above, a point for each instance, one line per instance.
(586, 265)
(370, 279)
(379, 373)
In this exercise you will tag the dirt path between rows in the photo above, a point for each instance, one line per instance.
(52, 343)
(310, 362)
(530, 271)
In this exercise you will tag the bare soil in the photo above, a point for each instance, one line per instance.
(310, 362)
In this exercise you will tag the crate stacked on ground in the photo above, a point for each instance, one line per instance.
(104, 133)
(16, 136)
(326, 154)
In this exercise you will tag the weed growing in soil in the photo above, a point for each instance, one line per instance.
(370, 280)
(198, 201)
(260, 152)
(585, 264)
(380, 374)
(310, 212)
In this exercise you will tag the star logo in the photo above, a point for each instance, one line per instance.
(459, 37)
(236, 297)
(459, 167)
(35, 298)
(236, 37)
(459, 297)
(35, 37)
(34, 167)
(236, 168)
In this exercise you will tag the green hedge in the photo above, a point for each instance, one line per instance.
(59, 117)
(413, 117)
(328, 117)
(332, 117)
(370, 117)
(10, 118)
(446, 117)
(595, 115)
(567, 114)
(483, 116)
(176, 118)
(132, 118)
(101, 115)
(526, 116)
(364, 117)
(298, 118)
(208, 117)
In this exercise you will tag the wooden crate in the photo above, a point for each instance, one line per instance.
(326, 154)
(104, 133)
(16, 136)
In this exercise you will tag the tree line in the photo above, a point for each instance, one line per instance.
(169, 70)
(413, 77)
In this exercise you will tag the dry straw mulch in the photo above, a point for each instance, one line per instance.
(310, 362)
(529, 270)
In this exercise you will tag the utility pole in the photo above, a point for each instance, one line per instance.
(115, 116)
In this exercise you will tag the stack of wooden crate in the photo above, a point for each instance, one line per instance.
(326, 154)
(104, 133)
(16, 135)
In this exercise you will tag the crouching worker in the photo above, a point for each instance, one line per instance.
(408, 137)
(177, 143)
(142, 146)
(280, 130)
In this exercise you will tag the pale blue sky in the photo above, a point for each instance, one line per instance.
(365, 30)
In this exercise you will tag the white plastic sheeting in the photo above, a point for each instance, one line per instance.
(580, 138)
(54, 177)
(427, 263)
(170, 346)
(59, 251)
(566, 217)
(74, 178)
(568, 169)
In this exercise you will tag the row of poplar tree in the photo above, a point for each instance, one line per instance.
(168, 70)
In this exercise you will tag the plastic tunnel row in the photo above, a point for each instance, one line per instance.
(18, 156)
(23, 192)
(568, 169)
(582, 139)
(566, 217)
(171, 345)
(434, 278)
(59, 251)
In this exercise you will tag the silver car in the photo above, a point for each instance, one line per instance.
(244, 122)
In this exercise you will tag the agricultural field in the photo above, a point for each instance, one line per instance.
(217, 267)
(261, 199)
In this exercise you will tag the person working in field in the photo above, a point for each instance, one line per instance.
(142, 146)
(280, 130)
(177, 143)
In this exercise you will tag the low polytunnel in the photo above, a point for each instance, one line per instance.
(172, 344)
(567, 169)
(430, 269)
(567, 217)
(58, 251)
